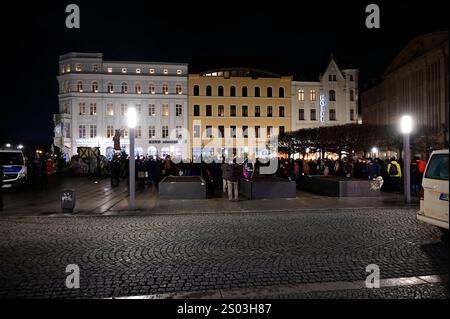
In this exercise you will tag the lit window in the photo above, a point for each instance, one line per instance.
(179, 72)
(109, 131)
(93, 131)
(82, 131)
(312, 95)
(151, 110)
(63, 70)
(80, 86)
(123, 109)
(301, 95)
(165, 131)
(124, 70)
(166, 71)
(165, 109)
(197, 131)
(151, 89)
(110, 87)
(178, 110)
(110, 70)
(68, 68)
(110, 109)
(221, 111)
(152, 71)
(151, 131)
(95, 87)
(178, 89)
(165, 89)
(78, 67)
(93, 109)
(138, 71)
(95, 67)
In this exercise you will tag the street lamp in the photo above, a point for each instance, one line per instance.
(20, 147)
(8, 145)
(374, 151)
(131, 122)
(406, 126)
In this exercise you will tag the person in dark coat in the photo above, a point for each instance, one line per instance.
(234, 173)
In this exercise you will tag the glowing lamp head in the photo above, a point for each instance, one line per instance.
(131, 117)
(8, 145)
(406, 124)
(374, 150)
(20, 147)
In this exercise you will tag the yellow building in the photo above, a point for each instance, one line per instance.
(237, 112)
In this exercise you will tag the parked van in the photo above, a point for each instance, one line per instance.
(434, 191)
(14, 169)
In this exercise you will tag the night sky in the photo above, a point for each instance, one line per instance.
(276, 36)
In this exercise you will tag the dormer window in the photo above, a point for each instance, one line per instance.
(166, 71)
(179, 72)
(95, 87)
(152, 71)
(124, 70)
(138, 71)
(95, 67)
(68, 68)
(110, 70)
(80, 86)
(78, 67)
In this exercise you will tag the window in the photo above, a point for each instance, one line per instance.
(95, 67)
(281, 92)
(196, 90)
(244, 91)
(95, 87)
(301, 95)
(78, 67)
(332, 115)
(110, 70)
(269, 92)
(332, 95)
(281, 111)
(281, 130)
(233, 131)
(245, 131)
(165, 88)
(151, 110)
(93, 131)
(138, 71)
(82, 108)
(232, 110)
(197, 131)
(257, 111)
(124, 87)
(109, 131)
(151, 131)
(110, 109)
(65, 108)
(269, 131)
(138, 132)
(301, 114)
(165, 131)
(68, 68)
(178, 110)
(123, 109)
(151, 71)
(124, 70)
(179, 72)
(208, 90)
(165, 71)
(137, 88)
(110, 87)
(313, 115)
(82, 131)
(244, 110)
(179, 131)
(178, 89)
(269, 111)
(196, 110)
(165, 110)
(352, 95)
(352, 115)
(208, 110)
(332, 77)
(312, 95)
(209, 131)
(221, 131)
(438, 167)
(257, 91)
(352, 78)
(257, 131)
(151, 88)
(220, 90)
(221, 110)
(80, 86)
(232, 91)
(138, 109)
(93, 109)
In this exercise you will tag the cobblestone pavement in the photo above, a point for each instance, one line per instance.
(142, 255)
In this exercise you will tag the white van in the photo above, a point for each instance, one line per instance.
(434, 191)
(12, 162)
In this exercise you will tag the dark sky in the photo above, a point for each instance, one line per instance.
(278, 36)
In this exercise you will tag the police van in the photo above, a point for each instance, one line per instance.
(12, 162)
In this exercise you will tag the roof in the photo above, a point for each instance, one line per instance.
(240, 72)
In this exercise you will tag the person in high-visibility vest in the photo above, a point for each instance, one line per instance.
(395, 174)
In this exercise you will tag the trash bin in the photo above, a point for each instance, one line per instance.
(68, 200)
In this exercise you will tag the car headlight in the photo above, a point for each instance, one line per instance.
(22, 175)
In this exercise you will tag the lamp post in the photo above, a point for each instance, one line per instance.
(406, 125)
(131, 122)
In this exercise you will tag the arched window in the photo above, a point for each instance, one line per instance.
(332, 95)
(95, 87)
(352, 95)
(269, 92)
(165, 88)
(257, 91)
(124, 87)
(196, 90)
(232, 91)
(220, 90)
(110, 87)
(137, 88)
(244, 91)
(151, 88)
(281, 92)
(178, 89)
(80, 86)
(208, 90)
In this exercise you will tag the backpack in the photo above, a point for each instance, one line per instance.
(393, 170)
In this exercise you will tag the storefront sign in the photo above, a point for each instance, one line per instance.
(323, 106)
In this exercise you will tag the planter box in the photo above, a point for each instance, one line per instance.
(337, 186)
(182, 187)
(267, 187)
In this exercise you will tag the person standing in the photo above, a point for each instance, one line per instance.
(234, 172)
(395, 174)
(224, 176)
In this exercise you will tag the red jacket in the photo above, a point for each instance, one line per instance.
(421, 164)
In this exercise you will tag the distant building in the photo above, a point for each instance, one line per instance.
(416, 83)
(94, 96)
(237, 111)
(332, 100)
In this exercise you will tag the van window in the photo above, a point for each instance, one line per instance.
(438, 167)
(11, 158)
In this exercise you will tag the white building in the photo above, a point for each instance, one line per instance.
(333, 100)
(94, 96)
